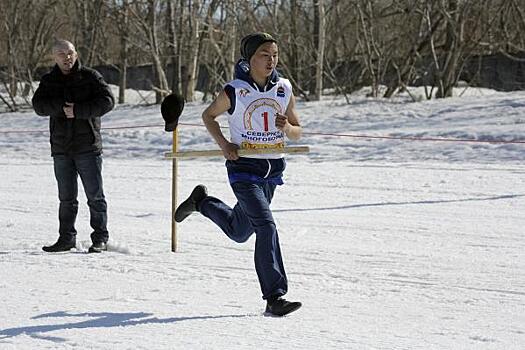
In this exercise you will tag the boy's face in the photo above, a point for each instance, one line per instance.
(264, 60)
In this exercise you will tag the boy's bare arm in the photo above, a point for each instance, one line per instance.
(218, 107)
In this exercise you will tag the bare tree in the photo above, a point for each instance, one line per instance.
(340, 44)
(145, 19)
(193, 43)
(411, 43)
(121, 18)
(222, 37)
(460, 39)
(90, 14)
(174, 44)
(29, 31)
(506, 30)
(319, 41)
(373, 57)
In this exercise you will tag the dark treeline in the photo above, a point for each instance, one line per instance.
(341, 44)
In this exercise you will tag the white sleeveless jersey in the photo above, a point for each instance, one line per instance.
(252, 123)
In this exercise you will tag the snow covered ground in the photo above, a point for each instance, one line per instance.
(389, 244)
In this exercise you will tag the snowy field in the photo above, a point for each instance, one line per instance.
(389, 244)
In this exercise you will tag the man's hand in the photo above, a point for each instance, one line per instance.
(281, 122)
(230, 151)
(68, 110)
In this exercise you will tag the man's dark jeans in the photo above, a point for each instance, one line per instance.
(89, 167)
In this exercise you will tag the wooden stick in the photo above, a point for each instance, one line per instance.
(174, 193)
(241, 152)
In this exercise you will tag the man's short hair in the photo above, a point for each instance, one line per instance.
(61, 44)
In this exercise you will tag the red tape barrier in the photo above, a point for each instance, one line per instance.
(404, 138)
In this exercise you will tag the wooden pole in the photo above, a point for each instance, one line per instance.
(174, 194)
(241, 152)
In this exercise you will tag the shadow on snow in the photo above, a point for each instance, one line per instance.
(98, 320)
(381, 204)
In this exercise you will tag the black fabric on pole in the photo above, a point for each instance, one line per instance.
(171, 109)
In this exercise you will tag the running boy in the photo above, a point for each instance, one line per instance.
(261, 108)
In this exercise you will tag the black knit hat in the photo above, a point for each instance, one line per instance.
(171, 109)
(251, 42)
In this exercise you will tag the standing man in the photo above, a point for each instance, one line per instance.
(74, 98)
(261, 108)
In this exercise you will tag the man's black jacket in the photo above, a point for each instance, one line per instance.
(92, 97)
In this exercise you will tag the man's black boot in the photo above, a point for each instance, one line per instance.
(98, 247)
(281, 307)
(191, 204)
(59, 246)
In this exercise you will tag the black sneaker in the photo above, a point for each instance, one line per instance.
(59, 246)
(190, 205)
(281, 307)
(98, 247)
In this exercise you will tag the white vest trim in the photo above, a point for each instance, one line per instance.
(252, 123)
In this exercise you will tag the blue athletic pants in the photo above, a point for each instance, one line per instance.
(250, 215)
